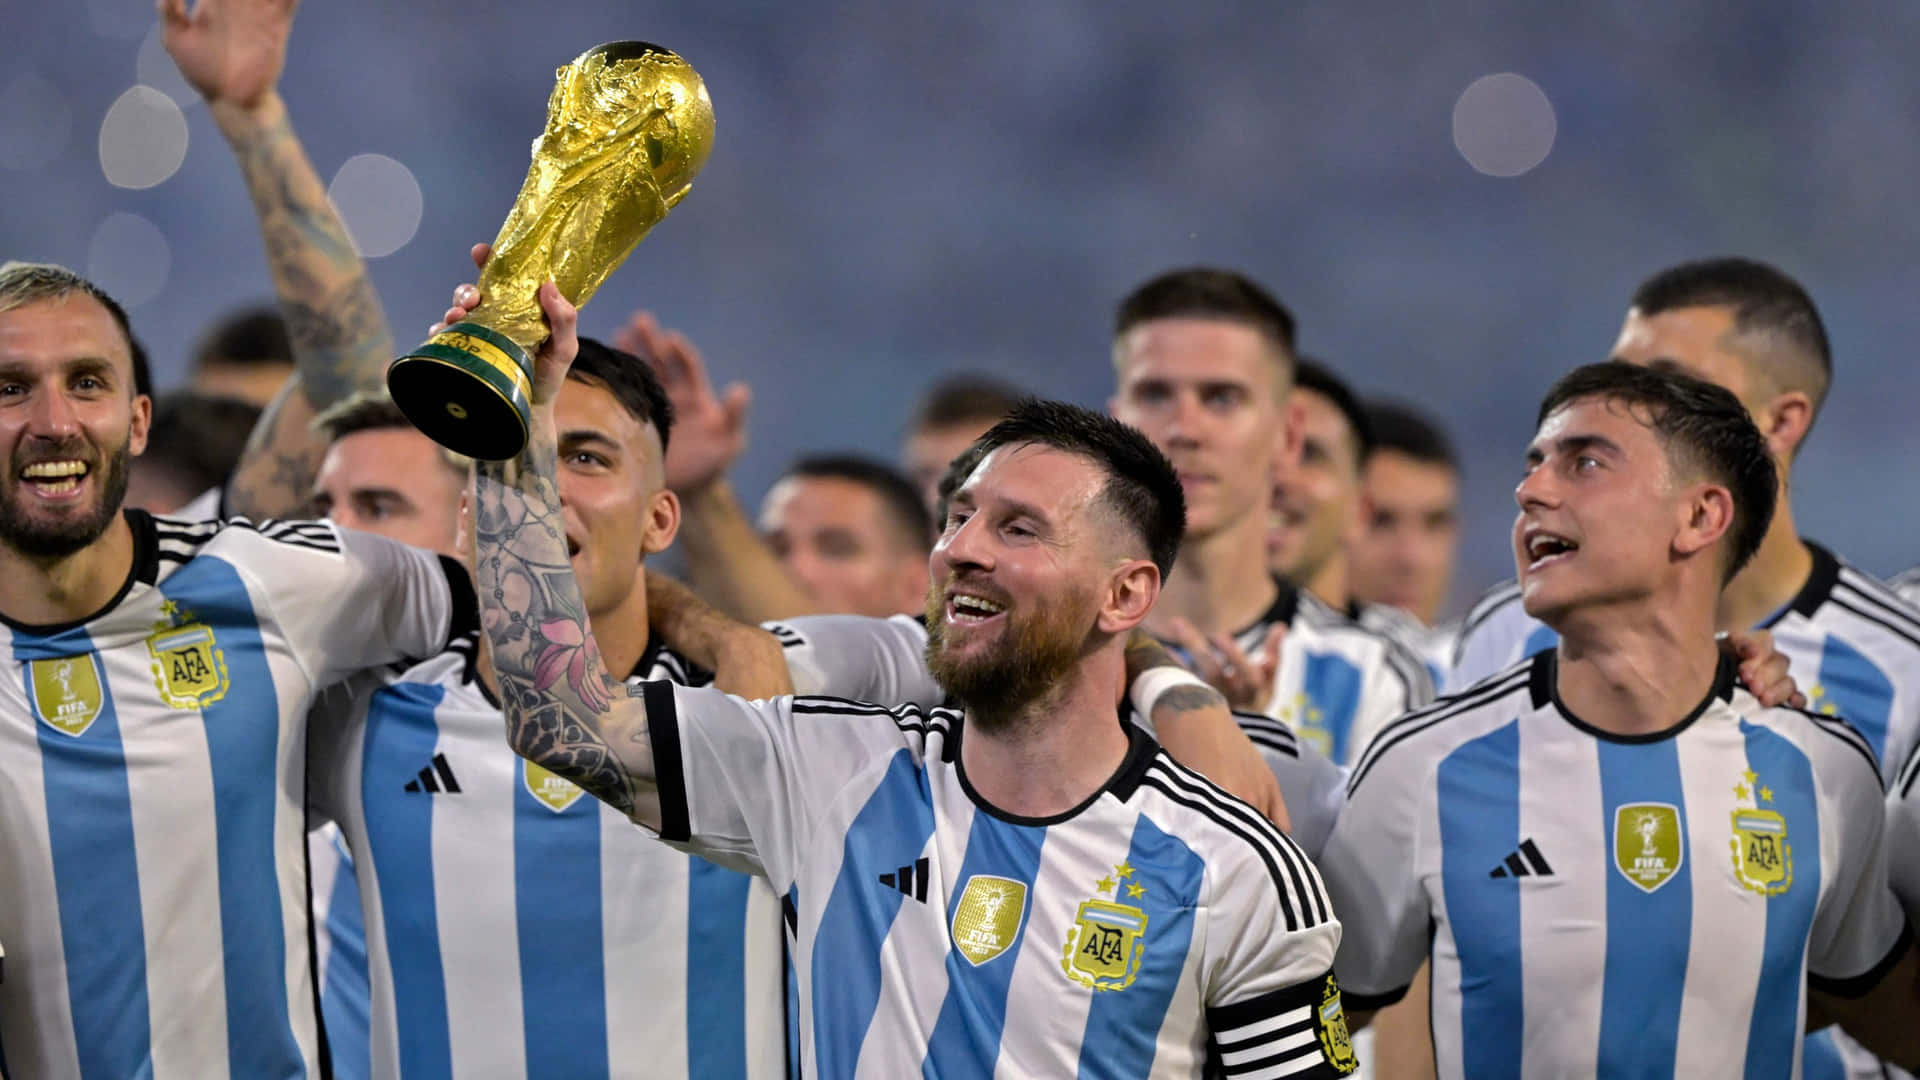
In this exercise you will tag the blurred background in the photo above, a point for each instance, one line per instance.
(1454, 199)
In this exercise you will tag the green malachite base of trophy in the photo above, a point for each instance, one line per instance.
(467, 389)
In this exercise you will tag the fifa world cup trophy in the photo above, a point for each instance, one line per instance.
(628, 126)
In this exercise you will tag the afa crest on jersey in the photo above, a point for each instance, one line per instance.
(1330, 1025)
(1762, 859)
(66, 692)
(1648, 845)
(556, 793)
(1104, 943)
(987, 919)
(188, 666)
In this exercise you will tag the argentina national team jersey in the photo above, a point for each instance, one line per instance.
(1903, 836)
(153, 873)
(1851, 643)
(1906, 584)
(1338, 682)
(516, 926)
(1604, 905)
(1158, 922)
(885, 660)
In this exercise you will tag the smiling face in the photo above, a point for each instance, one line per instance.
(1018, 576)
(70, 423)
(1209, 393)
(613, 493)
(1316, 504)
(1599, 511)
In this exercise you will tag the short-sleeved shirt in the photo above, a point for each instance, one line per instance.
(1159, 922)
(1903, 836)
(885, 660)
(153, 877)
(514, 925)
(1595, 904)
(1338, 681)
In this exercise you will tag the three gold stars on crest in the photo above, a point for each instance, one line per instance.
(1749, 780)
(1122, 871)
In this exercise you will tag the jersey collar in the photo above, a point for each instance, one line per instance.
(1815, 590)
(145, 570)
(1542, 682)
(1140, 751)
(1286, 604)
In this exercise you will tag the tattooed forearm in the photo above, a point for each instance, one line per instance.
(339, 334)
(1185, 699)
(563, 710)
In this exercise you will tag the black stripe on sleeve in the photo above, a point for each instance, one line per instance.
(1859, 986)
(1513, 680)
(669, 769)
(463, 604)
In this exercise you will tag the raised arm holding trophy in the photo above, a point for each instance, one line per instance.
(628, 126)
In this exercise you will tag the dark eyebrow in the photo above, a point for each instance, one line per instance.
(586, 436)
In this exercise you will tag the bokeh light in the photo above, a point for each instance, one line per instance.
(1503, 125)
(35, 121)
(380, 202)
(143, 139)
(129, 258)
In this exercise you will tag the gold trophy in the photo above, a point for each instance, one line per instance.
(628, 126)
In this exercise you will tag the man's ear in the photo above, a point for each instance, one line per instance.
(1131, 590)
(1785, 423)
(1290, 438)
(1709, 517)
(141, 423)
(663, 522)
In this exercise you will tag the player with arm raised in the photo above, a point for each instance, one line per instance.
(1619, 862)
(1048, 892)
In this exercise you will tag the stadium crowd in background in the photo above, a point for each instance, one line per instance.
(330, 752)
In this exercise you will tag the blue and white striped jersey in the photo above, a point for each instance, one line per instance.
(1906, 584)
(1903, 836)
(1594, 904)
(885, 660)
(516, 926)
(1853, 646)
(1432, 645)
(153, 868)
(1338, 682)
(1157, 923)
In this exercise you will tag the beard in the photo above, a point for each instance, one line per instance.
(1029, 658)
(52, 537)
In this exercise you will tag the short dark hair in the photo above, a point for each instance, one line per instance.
(629, 379)
(196, 438)
(1404, 429)
(375, 412)
(1141, 484)
(898, 498)
(1208, 293)
(250, 337)
(1702, 426)
(23, 283)
(1766, 303)
(1310, 373)
(963, 399)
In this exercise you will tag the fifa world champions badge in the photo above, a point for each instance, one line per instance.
(188, 666)
(1648, 843)
(986, 921)
(1762, 861)
(1104, 945)
(66, 692)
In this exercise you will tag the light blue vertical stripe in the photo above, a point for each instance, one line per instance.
(1540, 640)
(716, 962)
(1123, 1026)
(1648, 934)
(891, 829)
(1859, 692)
(401, 737)
(563, 977)
(346, 994)
(1784, 771)
(1332, 685)
(1820, 1058)
(966, 1035)
(95, 876)
(243, 742)
(1478, 791)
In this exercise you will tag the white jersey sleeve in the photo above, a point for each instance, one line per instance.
(859, 658)
(1903, 837)
(1393, 690)
(1310, 783)
(351, 600)
(1858, 927)
(742, 782)
(1371, 868)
